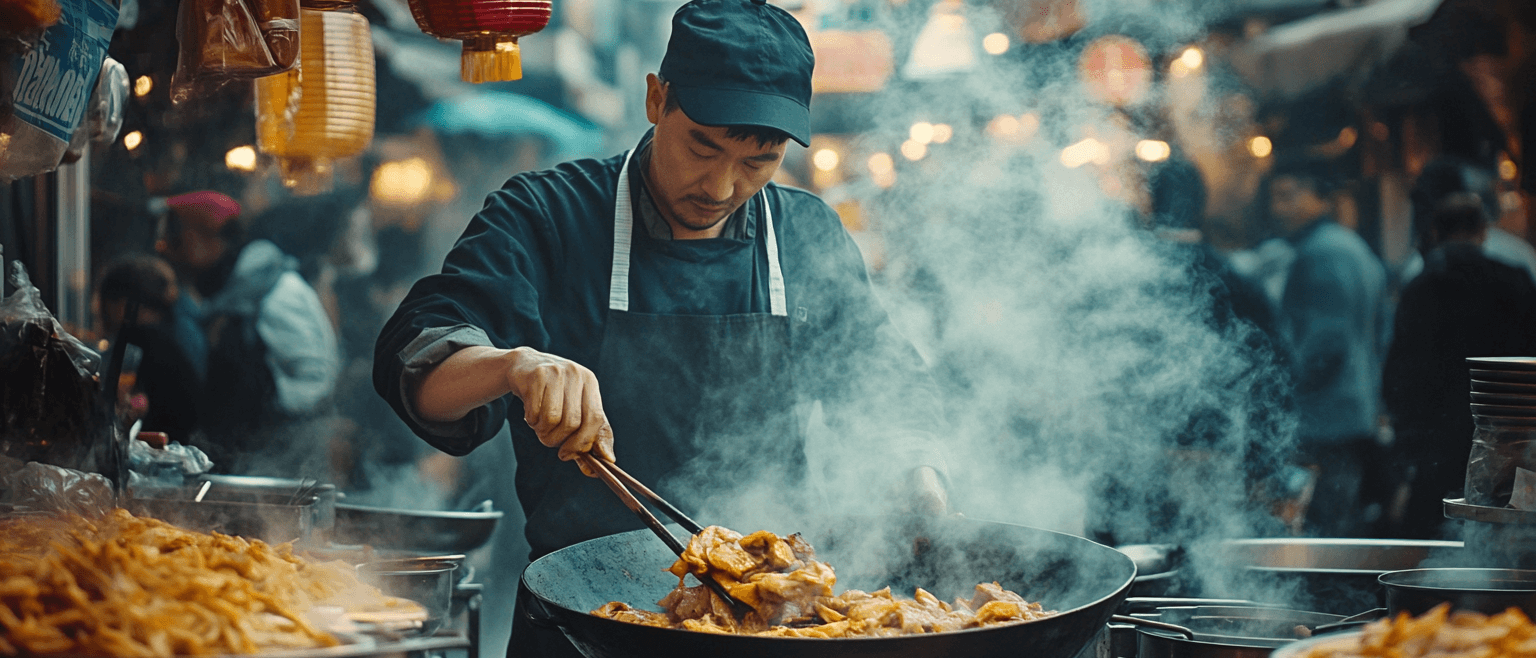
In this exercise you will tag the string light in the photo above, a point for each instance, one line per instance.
(143, 85)
(1152, 150)
(921, 132)
(995, 43)
(825, 159)
(241, 158)
(1260, 147)
(132, 140)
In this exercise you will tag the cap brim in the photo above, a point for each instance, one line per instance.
(734, 107)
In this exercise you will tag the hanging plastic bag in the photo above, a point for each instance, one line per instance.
(51, 407)
(104, 114)
(43, 95)
(225, 40)
(35, 487)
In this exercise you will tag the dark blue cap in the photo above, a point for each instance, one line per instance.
(741, 62)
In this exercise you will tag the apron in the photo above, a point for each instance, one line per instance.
(697, 403)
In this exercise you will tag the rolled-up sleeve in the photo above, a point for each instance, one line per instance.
(430, 348)
(487, 294)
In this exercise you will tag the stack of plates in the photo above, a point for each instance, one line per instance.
(1504, 389)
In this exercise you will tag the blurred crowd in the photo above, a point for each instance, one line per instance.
(1377, 367)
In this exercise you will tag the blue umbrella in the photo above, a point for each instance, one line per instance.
(505, 114)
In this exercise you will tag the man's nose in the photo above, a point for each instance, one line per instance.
(720, 185)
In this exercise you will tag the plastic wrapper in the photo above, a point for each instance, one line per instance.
(44, 89)
(35, 487)
(51, 407)
(164, 467)
(104, 113)
(1500, 446)
(225, 40)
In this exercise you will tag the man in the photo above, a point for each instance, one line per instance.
(1332, 311)
(1464, 304)
(670, 308)
(272, 354)
(1446, 176)
(164, 375)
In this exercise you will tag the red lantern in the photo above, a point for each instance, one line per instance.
(489, 30)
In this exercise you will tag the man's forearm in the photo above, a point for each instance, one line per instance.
(463, 382)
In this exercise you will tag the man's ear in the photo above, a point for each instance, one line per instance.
(655, 98)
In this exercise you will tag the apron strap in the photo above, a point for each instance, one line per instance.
(623, 239)
(776, 303)
(623, 234)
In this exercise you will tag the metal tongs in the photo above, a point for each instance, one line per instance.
(616, 479)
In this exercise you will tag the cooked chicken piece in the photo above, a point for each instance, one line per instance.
(618, 611)
(773, 554)
(711, 624)
(827, 614)
(790, 594)
(992, 592)
(800, 547)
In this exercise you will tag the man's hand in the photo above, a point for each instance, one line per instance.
(925, 491)
(561, 403)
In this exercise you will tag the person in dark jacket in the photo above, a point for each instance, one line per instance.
(1463, 304)
(669, 308)
(165, 373)
(1333, 311)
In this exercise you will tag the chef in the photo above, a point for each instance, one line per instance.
(671, 309)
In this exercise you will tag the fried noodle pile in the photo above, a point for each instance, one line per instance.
(1439, 633)
(790, 594)
(121, 585)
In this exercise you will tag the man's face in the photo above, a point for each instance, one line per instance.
(1294, 202)
(698, 175)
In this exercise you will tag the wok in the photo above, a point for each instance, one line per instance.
(1080, 579)
(415, 530)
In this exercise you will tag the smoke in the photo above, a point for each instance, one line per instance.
(1091, 378)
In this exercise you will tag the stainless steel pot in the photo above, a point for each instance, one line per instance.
(1489, 591)
(1330, 575)
(428, 581)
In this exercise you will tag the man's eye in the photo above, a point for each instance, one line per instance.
(697, 154)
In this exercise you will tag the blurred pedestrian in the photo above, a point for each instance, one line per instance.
(1447, 176)
(272, 354)
(1332, 310)
(1464, 304)
(164, 374)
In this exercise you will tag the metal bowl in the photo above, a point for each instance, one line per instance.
(428, 581)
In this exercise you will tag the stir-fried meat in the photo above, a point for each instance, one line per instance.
(790, 594)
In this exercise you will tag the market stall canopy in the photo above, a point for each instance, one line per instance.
(505, 114)
(1297, 57)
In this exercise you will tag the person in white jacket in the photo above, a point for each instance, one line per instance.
(273, 358)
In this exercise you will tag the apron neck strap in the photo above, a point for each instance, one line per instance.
(623, 240)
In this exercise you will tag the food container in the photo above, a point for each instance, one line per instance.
(425, 580)
(1489, 591)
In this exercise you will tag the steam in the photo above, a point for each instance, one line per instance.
(1087, 385)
